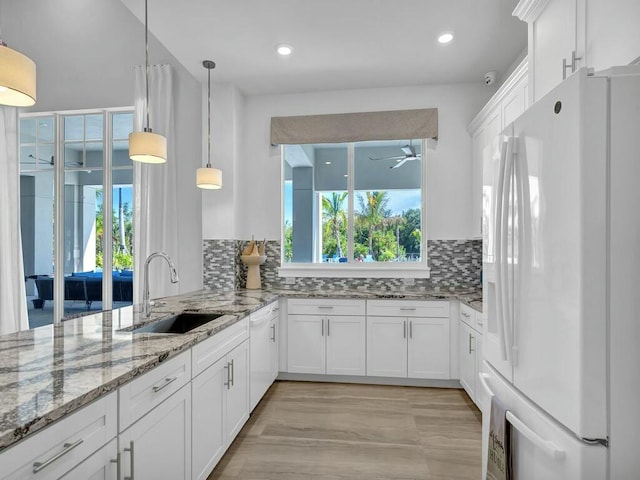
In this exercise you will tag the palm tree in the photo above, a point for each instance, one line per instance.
(333, 214)
(373, 211)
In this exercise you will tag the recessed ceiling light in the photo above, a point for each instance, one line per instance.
(327, 163)
(445, 37)
(345, 175)
(284, 49)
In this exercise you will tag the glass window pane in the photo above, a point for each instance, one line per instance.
(315, 203)
(28, 159)
(94, 125)
(120, 155)
(46, 156)
(122, 237)
(83, 237)
(388, 201)
(122, 125)
(74, 128)
(46, 129)
(36, 223)
(27, 130)
(94, 154)
(74, 155)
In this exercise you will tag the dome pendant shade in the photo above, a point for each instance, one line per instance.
(147, 147)
(17, 78)
(209, 178)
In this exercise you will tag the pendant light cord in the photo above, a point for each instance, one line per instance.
(146, 59)
(209, 118)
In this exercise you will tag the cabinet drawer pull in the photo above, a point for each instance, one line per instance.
(227, 384)
(273, 332)
(325, 307)
(322, 323)
(465, 314)
(328, 327)
(411, 329)
(167, 381)
(408, 309)
(471, 337)
(37, 466)
(130, 450)
(404, 331)
(233, 373)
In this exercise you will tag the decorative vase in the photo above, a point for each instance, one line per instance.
(253, 263)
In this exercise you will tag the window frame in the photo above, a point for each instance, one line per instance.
(351, 269)
(59, 170)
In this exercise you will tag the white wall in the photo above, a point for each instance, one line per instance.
(85, 53)
(449, 165)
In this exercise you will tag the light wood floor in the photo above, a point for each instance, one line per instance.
(333, 431)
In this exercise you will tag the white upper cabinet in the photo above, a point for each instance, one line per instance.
(565, 35)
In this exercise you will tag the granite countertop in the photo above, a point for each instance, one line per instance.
(48, 372)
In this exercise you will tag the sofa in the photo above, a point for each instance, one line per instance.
(86, 287)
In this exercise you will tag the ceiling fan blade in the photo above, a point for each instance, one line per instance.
(399, 164)
(388, 158)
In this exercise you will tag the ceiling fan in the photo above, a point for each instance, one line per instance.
(409, 154)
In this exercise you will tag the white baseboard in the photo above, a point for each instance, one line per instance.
(407, 382)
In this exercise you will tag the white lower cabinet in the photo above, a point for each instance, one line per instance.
(408, 339)
(159, 444)
(102, 465)
(264, 351)
(220, 396)
(60, 448)
(470, 353)
(326, 344)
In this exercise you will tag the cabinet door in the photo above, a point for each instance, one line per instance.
(159, 444)
(554, 38)
(477, 341)
(428, 350)
(102, 465)
(346, 345)
(238, 391)
(305, 344)
(467, 359)
(208, 396)
(386, 346)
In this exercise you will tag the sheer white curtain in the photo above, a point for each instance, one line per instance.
(13, 300)
(155, 186)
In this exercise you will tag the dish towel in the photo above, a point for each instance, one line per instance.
(499, 451)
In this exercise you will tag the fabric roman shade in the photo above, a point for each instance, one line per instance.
(355, 127)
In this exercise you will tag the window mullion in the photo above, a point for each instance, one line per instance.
(350, 202)
(107, 215)
(58, 222)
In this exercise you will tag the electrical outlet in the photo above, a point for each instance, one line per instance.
(289, 280)
(408, 282)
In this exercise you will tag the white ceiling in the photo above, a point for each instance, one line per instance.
(338, 44)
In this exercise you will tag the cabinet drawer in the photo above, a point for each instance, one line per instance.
(325, 307)
(60, 447)
(408, 308)
(147, 391)
(468, 315)
(265, 313)
(208, 352)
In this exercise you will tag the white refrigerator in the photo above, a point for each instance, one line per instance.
(561, 265)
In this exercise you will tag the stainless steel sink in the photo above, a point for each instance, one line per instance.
(181, 323)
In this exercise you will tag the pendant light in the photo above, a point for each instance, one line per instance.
(17, 78)
(208, 177)
(146, 146)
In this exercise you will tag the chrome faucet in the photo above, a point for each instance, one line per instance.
(146, 303)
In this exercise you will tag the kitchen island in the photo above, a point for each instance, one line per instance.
(51, 371)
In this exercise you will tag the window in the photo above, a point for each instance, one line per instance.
(354, 205)
(77, 214)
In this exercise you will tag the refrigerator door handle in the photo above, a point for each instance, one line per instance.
(506, 293)
(547, 446)
(498, 238)
(483, 381)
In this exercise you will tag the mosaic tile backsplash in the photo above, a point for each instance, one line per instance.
(454, 264)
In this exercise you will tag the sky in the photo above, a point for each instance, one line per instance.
(127, 197)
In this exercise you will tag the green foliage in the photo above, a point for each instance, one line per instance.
(122, 260)
(288, 241)
(122, 254)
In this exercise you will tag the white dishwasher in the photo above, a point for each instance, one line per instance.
(264, 351)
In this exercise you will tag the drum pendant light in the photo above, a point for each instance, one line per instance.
(208, 177)
(17, 78)
(146, 146)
